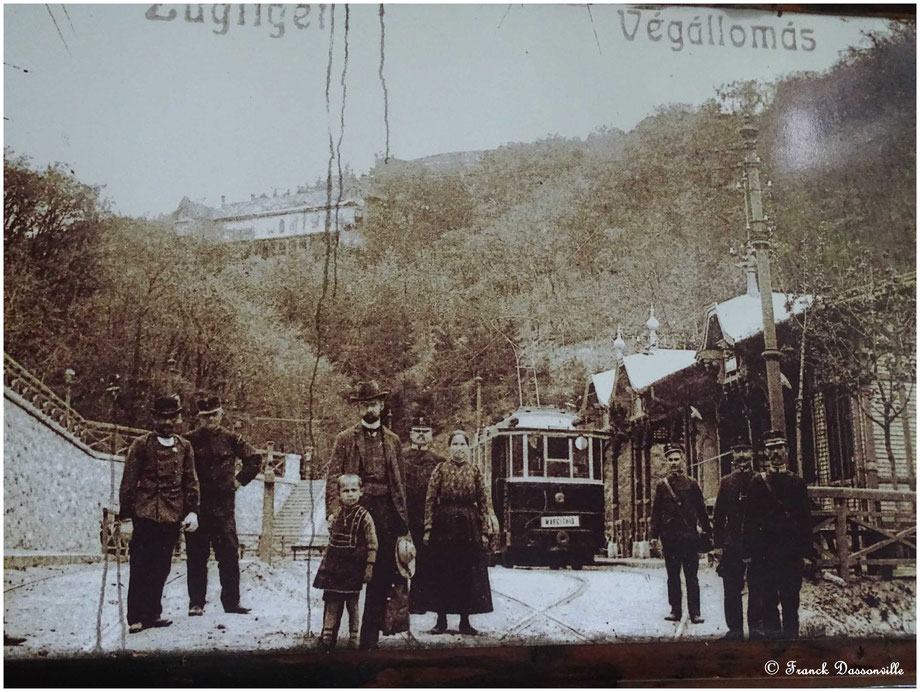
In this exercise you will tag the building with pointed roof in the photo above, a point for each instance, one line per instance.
(707, 398)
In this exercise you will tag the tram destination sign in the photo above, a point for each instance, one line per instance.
(568, 521)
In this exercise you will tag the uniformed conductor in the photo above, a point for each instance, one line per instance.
(778, 538)
(728, 525)
(678, 507)
(216, 452)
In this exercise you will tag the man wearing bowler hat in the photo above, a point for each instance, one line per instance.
(728, 523)
(371, 451)
(216, 452)
(778, 537)
(678, 507)
(159, 493)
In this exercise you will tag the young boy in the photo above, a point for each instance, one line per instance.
(348, 563)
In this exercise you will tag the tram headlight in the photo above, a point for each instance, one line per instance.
(581, 443)
(562, 539)
(560, 498)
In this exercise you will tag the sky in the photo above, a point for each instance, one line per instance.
(159, 109)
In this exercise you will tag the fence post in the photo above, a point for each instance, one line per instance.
(843, 540)
(268, 508)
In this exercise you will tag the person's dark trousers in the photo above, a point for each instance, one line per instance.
(755, 608)
(219, 533)
(732, 573)
(782, 588)
(151, 549)
(682, 555)
(389, 527)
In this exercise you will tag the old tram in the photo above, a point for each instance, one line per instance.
(545, 477)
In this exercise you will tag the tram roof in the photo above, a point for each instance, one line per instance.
(539, 419)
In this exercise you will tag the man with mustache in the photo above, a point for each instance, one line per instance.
(778, 538)
(160, 494)
(728, 524)
(372, 452)
(678, 507)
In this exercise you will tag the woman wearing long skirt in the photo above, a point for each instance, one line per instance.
(456, 517)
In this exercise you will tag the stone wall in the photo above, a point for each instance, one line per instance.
(54, 488)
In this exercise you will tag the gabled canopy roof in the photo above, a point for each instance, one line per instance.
(642, 370)
(603, 385)
(741, 318)
(645, 369)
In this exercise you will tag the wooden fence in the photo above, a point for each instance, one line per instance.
(859, 535)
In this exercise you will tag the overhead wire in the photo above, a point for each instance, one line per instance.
(594, 29)
(69, 21)
(58, 30)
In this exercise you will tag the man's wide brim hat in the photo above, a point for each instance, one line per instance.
(166, 406)
(405, 557)
(368, 391)
(209, 405)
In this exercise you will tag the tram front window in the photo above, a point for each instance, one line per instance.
(581, 466)
(517, 455)
(558, 457)
(535, 455)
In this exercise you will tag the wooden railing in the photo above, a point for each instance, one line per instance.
(859, 533)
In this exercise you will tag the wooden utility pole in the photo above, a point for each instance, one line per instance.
(760, 242)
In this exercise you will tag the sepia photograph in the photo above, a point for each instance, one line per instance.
(459, 345)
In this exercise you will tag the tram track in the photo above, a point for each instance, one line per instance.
(33, 581)
(538, 613)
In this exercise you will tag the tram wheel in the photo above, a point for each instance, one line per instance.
(577, 564)
(506, 559)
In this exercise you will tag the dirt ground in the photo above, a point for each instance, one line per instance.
(57, 610)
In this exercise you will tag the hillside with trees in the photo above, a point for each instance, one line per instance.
(529, 255)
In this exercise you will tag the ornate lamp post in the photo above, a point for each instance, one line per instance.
(760, 242)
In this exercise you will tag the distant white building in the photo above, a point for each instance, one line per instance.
(284, 216)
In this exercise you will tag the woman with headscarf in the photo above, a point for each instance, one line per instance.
(456, 521)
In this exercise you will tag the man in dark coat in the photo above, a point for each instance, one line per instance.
(216, 452)
(420, 462)
(159, 493)
(677, 508)
(728, 524)
(374, 453)
(778, 538)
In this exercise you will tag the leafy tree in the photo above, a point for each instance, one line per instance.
(860, 335)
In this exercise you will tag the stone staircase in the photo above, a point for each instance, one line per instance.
(293, 525)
